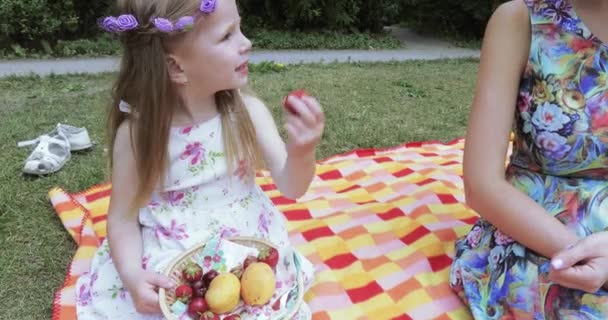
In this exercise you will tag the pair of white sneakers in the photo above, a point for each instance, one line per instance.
(54, 149)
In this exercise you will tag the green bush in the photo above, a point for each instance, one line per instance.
(460, 18)
(27, 20)
(33, 22)
(277, 40)
(337, 15)
(104, 45)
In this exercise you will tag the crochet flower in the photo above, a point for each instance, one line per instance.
(122, 23)
(208, 6)
(163, 25)
(184, 23)
(127, 22)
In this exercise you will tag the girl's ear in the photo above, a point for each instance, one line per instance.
(176, 71)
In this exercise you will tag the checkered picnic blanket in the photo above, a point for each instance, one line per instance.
(378, 224)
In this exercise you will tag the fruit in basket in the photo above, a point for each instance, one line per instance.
(209, 276)
(233, 317)
(223, 294)
(209, 316)
(249, 260)
(199, 289)
(192, 272)
(237, 271)
(269, 256)
(257, 284)
(277, 305)
(197, 307)
(183, 293)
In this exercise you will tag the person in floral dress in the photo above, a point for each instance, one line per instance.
(186, 143)
(543, 76)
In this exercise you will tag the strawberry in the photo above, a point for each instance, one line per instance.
(269, 256)
(199, 289)
(192, 272)
(249, 260)
(210, 275)
(300, 93)
(183, 293)
(209, 316)
(197, 307)
(233, 317)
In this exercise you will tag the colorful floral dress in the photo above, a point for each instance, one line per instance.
(560, 160)
(200, 199)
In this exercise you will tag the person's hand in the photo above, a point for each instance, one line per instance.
(143, 288)
(584, 265)
(305, 125)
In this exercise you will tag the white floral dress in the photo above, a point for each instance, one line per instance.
(200, 199)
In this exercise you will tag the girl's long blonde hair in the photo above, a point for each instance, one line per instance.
(143, 82)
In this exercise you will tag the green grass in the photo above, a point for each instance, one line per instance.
(105, 44)
(367, 105)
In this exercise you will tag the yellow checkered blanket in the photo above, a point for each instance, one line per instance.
(379, 225)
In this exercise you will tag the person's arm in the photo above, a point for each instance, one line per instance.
(124, 231)
(504, 55)
(292, 166)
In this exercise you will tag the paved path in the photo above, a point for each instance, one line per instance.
(418, 48)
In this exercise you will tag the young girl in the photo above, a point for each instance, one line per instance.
(185, 146)
(544, 71)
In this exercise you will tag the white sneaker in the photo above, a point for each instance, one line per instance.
(53, 150)
(78, 137)
(49, 156)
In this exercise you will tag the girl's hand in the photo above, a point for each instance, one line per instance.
(305, 125)
(143, 288)
(584, 265)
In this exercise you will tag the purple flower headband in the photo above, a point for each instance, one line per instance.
(128, 22)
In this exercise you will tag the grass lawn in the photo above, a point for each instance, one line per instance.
(367, 105)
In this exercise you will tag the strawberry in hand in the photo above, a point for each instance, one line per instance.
(304, 123)
(300, 93)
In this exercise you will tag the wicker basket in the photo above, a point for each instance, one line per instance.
(173, 271)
